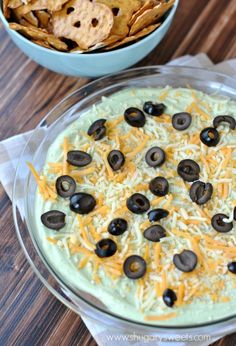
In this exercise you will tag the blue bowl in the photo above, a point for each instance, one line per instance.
(92, 64)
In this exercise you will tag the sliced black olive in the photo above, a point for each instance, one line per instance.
(98, 129)
(116, 159)
(78, 158)
(200, 192)
(155, 157)
(181, 121)
(138, 203)
(65, 186)
(224, 119)
(134, 267)
(169, 297)
(117, 226)
(210, 136)
(159, 186)
(53, 219)
(82, 203)
(220, 225)
(186, 261)
(105, 248)
(157, 214)
(135, 117)
(188, 170)
(154, 233)
(232, 267)
(234, 216)
(154, 109)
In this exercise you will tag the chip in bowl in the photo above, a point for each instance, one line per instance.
(80, 26)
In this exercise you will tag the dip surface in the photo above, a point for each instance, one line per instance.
(205, 294)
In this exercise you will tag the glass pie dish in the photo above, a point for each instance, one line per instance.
(66, 112)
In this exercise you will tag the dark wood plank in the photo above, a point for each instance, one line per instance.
(30, 315)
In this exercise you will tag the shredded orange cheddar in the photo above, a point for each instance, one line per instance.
(163, 95)
(180, 294)
(65, 151)
(83, 262)
(160, 317)
(167, 204)
(52, 240)
(44, 189)
(163, 281)
(83, 172)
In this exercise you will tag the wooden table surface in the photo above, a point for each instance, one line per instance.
(29, 314)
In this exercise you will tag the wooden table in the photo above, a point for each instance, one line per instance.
(29, 314)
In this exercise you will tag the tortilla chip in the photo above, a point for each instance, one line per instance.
(150, 16)
(42, 44)
(5, 8)
(129, 39)
(39, 34)
(85, 22)
(44, 19)
(14, 3)
(50, 5)
(122, 11)
(146, 6)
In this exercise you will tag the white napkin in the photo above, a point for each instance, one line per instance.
(10, 150)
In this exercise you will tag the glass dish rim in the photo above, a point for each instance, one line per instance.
(158, 70)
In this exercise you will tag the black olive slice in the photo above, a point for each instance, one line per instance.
(188, 170)
(78, 158)
(116, 159)
(105, 248)
(138, 203)
(186, 261)
(210, 136)
(181, 121)
(169, 297)
(135, 117)
(154, 109)
(65, 186)
(97, 130)
(234, 214)
(200, 192)
(219, 224)
(117, 226)
(154, 233)
(232, 267)
(134, 267)
(159, 186)
(155, 157)
(82, 203)
(53, 219)
(224, 119)
(157, 214)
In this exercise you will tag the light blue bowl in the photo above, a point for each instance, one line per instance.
(92, 64)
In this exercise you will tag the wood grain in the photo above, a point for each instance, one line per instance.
(29, 314)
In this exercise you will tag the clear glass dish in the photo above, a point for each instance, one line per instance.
(66, 112)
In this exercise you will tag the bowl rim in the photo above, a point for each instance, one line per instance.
(84, 55)
(220, 322)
